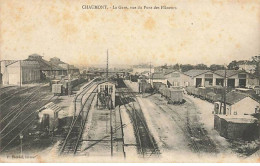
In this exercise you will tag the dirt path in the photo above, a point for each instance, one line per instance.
(186, 128)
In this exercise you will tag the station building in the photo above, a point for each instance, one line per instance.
(48, 70)
(18, 72)
(71, 69)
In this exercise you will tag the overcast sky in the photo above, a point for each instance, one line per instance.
(196, 32)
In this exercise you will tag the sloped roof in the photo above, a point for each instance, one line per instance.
(52, 106)
(9, 62)
(72, 67)
(238, 118)
(158, 76)
(168, 71)
(26, 62)
(44, 65)
(234, 97)
(194, 72)
(23, 62)
(229, 73)
(104, 81)
(56, 61)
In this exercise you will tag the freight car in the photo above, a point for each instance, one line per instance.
(203, 91)
(174, 96)
(64, 87)
(158, 85)
(210, 94)
(213, 97)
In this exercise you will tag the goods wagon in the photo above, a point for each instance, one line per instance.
(210, 94)
(64, 86)
(145, 87)
(213, 97)
(57, 89)
(202, 92)
(190, 90)
(174, 96)
(158, 85)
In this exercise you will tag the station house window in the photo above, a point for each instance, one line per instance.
(209, 79)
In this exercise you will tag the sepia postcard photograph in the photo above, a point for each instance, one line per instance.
(130, 81)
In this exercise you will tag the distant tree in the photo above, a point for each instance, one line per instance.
(233, 65)
(176, 66)
(215, 67)
(256, 60)
(186, 67)
(164, 66)
(201, 67)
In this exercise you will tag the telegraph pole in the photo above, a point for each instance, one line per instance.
(225, 90)
(107, 67)
(150, 73)
(21, 79)
(111, 123)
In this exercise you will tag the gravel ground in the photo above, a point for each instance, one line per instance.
(182, 129)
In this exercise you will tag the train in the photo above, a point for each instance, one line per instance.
(173, 95)
(64, 87)
(211, 94)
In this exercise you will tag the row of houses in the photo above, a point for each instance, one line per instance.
(206, 78)
(33, 69)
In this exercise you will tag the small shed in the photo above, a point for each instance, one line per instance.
(106, 94)
(49, 117)
(237, 127)
(237, 104)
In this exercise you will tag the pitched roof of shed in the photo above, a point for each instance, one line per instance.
(158, 76)
(234, 97)
(45, 65)
(194, 72)
(229, 73)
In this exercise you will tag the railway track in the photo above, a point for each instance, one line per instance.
(11, 96)
(146, 143)
(79, 97)
(6, 89)
(20, 107)
(73, 138)
(196, 135)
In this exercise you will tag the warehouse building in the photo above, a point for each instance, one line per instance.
(235, 78)
(178, 79)
(71, 69)
(205, 78)
(18, 72)
(48, 70)
(158, 78)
